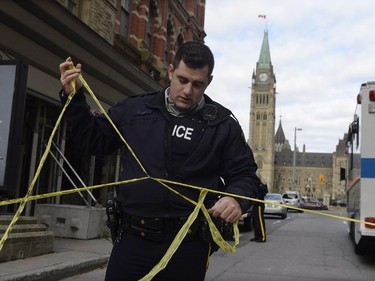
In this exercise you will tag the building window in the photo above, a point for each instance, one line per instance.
(180, 40)
(150, 24)
(196, 9)
(125, 16)
(168, 41)
(72, 6)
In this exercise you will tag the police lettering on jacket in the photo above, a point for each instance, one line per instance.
(182, 132)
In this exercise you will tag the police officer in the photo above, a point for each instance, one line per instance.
(179, 134)
(258, 215)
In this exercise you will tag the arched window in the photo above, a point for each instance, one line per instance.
(150, 23)
(180, 40)
(168, 41)
(125, 17)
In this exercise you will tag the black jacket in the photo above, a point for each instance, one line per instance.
(206, 145)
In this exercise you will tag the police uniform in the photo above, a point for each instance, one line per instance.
(258, 216)
(196, 148)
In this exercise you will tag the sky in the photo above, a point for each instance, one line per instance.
(321, 52)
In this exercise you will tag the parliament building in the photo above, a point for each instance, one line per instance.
(282, 168)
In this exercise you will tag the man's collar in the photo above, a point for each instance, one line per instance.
(173, 110)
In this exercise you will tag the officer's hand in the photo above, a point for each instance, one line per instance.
(226, 208)
(68, 75)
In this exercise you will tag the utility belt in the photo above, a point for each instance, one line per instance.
(155, 229)
(159, 229)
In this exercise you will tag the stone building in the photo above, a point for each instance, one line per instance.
(316, 175)
(124, 47)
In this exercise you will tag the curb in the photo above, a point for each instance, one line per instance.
(61, 271)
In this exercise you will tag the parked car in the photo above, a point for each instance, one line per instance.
(273, 209)
(294, 199)
(315, 205)
(339, 202)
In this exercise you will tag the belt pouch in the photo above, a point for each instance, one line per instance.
(156, 236)
(149, 223)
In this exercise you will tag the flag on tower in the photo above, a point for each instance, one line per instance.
(262, 16)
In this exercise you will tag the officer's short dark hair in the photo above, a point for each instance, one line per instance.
(194, 55)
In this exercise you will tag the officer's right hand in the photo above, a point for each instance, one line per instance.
(68, 75)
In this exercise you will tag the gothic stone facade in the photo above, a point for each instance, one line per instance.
(147, 32)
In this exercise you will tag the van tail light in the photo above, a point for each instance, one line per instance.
(371, 220)
(372, 95)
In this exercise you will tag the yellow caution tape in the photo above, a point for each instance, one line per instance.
(183, 231)
(31, 187)
(178, 239)
(68, 191)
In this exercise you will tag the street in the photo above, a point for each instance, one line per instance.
(304, 246)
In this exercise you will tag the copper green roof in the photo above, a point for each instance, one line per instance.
(265, 55)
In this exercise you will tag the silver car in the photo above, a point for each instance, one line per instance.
(294, 199)
(273, 209)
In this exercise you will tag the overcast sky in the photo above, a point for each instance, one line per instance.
(321, 52)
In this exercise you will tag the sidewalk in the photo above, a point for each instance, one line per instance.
(71, 257)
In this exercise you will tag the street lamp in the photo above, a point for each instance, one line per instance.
(309, 187)
(294, 156)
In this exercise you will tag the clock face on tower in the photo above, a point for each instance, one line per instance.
(263, 77)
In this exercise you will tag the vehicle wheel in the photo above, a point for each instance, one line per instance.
(284, 216)
(351, 230)
(359, 249)
(247, 224)
(300, 211)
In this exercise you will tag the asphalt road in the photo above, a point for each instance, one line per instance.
(302, 247)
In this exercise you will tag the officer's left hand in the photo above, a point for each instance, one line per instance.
(226, 208)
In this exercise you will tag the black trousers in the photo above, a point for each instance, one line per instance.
(133, 257)
(258, 222)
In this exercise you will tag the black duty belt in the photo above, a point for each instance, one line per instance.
(155, 229)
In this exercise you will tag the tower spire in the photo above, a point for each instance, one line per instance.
(264, 61)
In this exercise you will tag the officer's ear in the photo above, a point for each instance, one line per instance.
(170, 71)
(210, 79)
